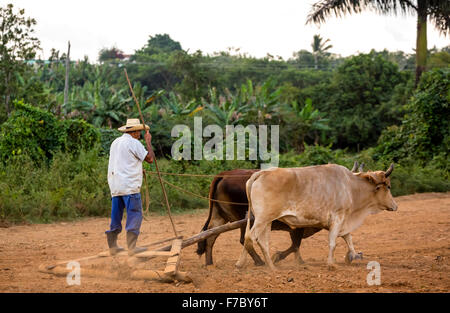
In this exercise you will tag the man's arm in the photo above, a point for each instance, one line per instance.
(150, 155)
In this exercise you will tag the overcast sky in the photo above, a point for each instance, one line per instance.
(257, 27)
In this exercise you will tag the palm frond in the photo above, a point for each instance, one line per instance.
(439, 14)
(321, 10)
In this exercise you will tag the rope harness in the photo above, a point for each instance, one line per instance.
(147, 196)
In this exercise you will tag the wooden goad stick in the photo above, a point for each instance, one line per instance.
(149, 148)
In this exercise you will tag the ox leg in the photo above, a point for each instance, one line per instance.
(249, 248)
(256, 258)
(351, 254)
(296, 238)
(242, 259)
(215, 221)
(260, 233)
(263, 241)
(332, 236)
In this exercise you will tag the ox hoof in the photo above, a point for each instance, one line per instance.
(276, 257)
(239, 265)
(331, 267)
(349, 257)
(300, 261)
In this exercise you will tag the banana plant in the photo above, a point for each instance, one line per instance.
(224, 110)
(306, 121)
(98, 103)
(175, 106)
(261, 101)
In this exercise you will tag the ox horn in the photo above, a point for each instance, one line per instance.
(389, 171)
(355, 166)
(361, 167)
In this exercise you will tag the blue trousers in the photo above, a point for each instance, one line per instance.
(133, 204)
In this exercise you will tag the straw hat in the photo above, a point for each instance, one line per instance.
(132, 125)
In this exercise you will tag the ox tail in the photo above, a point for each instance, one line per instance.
(201, 245)
(248, 189)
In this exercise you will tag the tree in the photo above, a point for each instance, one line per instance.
(355, 99)
(304, 59)
(151, 65)
(195, 78)
(319, 48)
(110, 54)
(160, 44)
(17, 45)
(425, 131)
(437, 11)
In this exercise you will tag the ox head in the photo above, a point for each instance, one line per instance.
(381, 184)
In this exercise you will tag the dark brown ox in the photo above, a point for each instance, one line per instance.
(229, 186)
(324, 196)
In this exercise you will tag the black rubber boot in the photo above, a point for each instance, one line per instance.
(111, 237)
(131, 242)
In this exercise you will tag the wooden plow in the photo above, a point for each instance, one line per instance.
(133, 267)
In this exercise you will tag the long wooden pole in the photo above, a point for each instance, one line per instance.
(66, 81)
(199, 237)
(149, 148)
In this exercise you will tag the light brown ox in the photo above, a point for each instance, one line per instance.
(325, 196)
(231, 186)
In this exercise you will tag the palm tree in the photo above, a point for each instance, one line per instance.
(319, 48)
(437, 11)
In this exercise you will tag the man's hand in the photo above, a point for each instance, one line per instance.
(150, 156)
(148, 138)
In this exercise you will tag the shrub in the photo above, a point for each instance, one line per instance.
(313, 155)
(107, 136)
(79, 135)
(32, 131)
(39, 134)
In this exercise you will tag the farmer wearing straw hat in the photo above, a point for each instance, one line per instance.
(125, 179)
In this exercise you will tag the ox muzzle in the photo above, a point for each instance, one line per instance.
(393, 207)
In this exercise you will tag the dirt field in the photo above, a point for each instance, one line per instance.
(411, 245)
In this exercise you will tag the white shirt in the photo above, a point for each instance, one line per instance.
(125, 165)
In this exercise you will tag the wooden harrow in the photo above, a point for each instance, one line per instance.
(130, 267)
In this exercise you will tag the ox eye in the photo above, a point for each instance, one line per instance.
(389, 187)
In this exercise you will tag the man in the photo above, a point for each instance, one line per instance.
(125, 179)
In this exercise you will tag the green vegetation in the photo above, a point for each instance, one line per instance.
(76, 186)
(39, 134)
(69, 187)
(330, 109)
(424, 134)
(435, 11)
